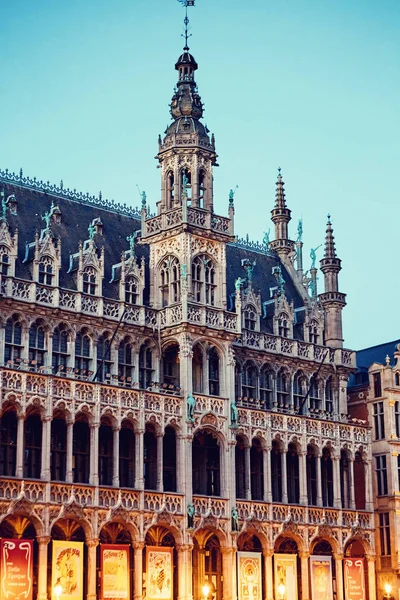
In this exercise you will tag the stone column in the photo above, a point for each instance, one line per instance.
(319, 480)
(20, 447)
(94, 453)
(267, 474)
(247, 473)
(284, 478)
(43, 542)
(303, 477)
(160, 470)
(139, 459)
(339, 576)
(91, 569)
(115, 479)
(184, 571)
(369, 502)
(46, 435)
(227, 571)
(337, 500)
(70, 443)
(305, 579)
(371, 577)
(268, 575)
(137, 570)
(351, 485)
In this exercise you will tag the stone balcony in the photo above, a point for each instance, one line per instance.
(196, 217)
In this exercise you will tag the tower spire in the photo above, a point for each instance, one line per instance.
(281, 217)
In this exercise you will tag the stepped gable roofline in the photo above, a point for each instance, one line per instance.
(58, 191)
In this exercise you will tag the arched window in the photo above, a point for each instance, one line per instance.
(276, 471)
(327, 477)
(299, 389)
(13, 341)
(170, 278)
(292, 474)
(4, 261)
(213, 372)
(240, 468)
(104, 362)
(206, 464)
(58, 449)
(213, 568)
(186, 184)
(36, 345)
(145, 367)
(32, 447)
(170, 365)
(89, 281)
(397, 378)
(283, 325)
(266, 387)
(169, 460)
(82, 354)
(313, 336)
(250, 317)
(345, 466)
(170, 190)
(256, 470)
(202, 178)
(315, 397)
(203, 280)
(60, 355)
(249, 380)
(46, 273)
(81, 451)
(131, 290)
(329, 396)
(125, 361)
(359, 481)
(150, 459)
(8, 443)
(126, 455)
(312, 484)
(105, 453)
(197, 369)
(282, 389)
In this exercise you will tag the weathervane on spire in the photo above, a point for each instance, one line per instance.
(186, 35)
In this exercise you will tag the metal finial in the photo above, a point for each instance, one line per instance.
(279, 171)
(186, 35)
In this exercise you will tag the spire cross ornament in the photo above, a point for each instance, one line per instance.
(186, 35)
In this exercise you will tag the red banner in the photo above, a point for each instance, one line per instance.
(16, 569)
(354, 579)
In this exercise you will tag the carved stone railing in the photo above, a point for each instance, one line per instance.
(296, 348)
(205, 505)
(198, 217)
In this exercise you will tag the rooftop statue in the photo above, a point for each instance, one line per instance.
(144, 198)
(3, 207)
(266, 240)
(300, 231)
(313, 256)
(47, 218)
(92, 231)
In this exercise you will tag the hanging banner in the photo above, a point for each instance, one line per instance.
(67, 571)
(249, 568)
(159, 573)
(285, 576)
(16, 569)
(354, 579)
(114, 571)
(321, 577)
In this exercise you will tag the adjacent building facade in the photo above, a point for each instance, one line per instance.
(175, 396)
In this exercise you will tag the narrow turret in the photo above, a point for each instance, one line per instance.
(280, 216)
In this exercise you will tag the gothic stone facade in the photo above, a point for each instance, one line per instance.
(163, 384)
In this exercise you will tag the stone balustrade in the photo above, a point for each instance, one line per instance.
(197, 217)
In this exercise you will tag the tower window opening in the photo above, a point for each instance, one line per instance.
(89, 281)
(170, 190)
(201, 189)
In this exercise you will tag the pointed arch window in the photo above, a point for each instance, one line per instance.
(202, 178)
(170, 190)
(169, 460)
(150, 459)
(327, 477)
(104, 360)
(106, 453)
(46, 272)
(146, 369)
(311, 466)
(83, 354)
(240, 467)
(276, 472)
(89, 281)
(58, 449)
(126, 455)
(8, 443)
(186, 185)
(4, 261)
(249, 380)
(250, 317)
(315, 395)
(13, 341)
(299, 389)
(313, 334)
(292, 474)
(256, 470)
(283, 325)
(345, 466)
(170, 277)
(37, 350)
(81, 451)
(125, 361)
(131, 290)
(203, 280)
(329, 396)
(60, 356)
(213, 372)
(282, 389)
(32, 446)
(206, 464)
(266, 387)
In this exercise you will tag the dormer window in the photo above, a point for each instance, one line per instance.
(131, 293)
(250, 318)
(313, 336)
(283, 325)
(46, 271)
(4, 261)
(89, 281)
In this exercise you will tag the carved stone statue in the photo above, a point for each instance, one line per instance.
(232, 195)
(144, 198)
(313, 256)
(3, 207)
(190, 515)
(235, 519)
(300, 231)
(46, 218)
(132, 240)
(277, 273)
(266, 240)
(92, 231)
(191, 406)
(234, 414)
(248, 266)
(239, 282)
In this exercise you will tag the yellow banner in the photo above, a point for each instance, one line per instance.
(285, 576)
(67, 571)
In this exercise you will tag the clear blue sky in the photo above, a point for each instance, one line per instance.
(307, 85)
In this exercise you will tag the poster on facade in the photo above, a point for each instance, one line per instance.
(354, 579)
(16, 569)
(114, 571)
(159, 573)
(285, 576)
(321, 577)
(249, 575)
(67, 571)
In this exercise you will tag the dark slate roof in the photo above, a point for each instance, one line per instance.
(367, 356)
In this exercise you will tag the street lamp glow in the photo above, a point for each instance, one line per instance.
(206, 590)
(58, 590)
(388, 589)
(282, 589)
